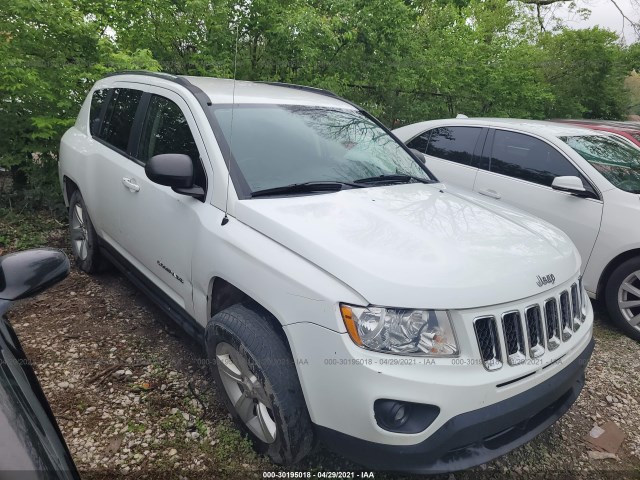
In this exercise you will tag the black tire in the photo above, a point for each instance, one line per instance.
(613, 292)
(86, 257)
(246, 329)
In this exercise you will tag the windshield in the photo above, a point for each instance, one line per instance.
(278, 145)
(617, 160)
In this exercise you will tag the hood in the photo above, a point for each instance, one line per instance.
(418, 245)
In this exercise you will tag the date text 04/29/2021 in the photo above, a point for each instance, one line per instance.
(320, 475)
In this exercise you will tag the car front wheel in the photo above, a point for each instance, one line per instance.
(257, 381)
(623, 297)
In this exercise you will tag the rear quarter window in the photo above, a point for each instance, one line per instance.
(98, 100)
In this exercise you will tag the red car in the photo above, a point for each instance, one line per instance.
(630, 131)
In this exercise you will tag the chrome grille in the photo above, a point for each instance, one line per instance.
(552, 323)
(534, 331)
(576, 307)
(565, 316)
(488, 342)
(521, 335)
(583, 310)
(514, 338)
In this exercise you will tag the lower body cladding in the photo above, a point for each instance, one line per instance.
(456, 414)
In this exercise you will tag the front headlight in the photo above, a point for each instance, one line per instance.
(399, 331)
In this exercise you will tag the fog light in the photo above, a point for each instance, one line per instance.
(391, 415)
(404, 417)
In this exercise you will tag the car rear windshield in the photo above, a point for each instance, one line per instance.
(279, 145)
(617, 160)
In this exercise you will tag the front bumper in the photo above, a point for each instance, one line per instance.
(342, 382)
(475, 437)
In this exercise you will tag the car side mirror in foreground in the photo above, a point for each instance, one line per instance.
(419, 154)
(570, 184)
(174, 170)
(24, 274)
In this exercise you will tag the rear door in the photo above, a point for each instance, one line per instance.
(111, 126)
(452, 152)
(518, 169)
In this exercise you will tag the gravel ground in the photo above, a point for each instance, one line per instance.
(133, 399)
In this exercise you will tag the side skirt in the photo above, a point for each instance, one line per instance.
(168, 306)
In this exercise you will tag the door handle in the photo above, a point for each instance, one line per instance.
(490, 193)
(131, 184)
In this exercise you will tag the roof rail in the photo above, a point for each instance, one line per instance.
(319, 91)
(166, 76)
(305, 88)
(202, 97)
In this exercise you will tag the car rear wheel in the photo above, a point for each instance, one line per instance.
(257, 381)
(84, 241)
(623, 297)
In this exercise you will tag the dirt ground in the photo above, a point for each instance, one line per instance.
(132, 396)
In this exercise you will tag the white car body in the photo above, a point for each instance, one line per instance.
(411, 246)
(605, 229)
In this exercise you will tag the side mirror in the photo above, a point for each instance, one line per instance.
(24, 274)
(173, 170)
(569, 184)
(419, 154)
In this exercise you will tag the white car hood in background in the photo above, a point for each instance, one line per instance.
(417, 245)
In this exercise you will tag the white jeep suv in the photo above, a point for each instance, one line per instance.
(585, 182)
(341, 292)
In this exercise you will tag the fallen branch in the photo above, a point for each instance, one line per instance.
(105, 373)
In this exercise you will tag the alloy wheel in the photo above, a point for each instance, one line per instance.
(629, 299)
(246, 393)
(79, 234)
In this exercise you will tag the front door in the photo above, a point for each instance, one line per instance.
(159, 225)
(519, 169)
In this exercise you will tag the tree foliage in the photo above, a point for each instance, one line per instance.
(404, 60)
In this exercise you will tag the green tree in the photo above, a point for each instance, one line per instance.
(49, 58)
(585, 70)
(403, 60)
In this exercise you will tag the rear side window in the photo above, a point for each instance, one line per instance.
(97, 102)
(456, 144)
(527, 158)
(118, 119)
(165, 130)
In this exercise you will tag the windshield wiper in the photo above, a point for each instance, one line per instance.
(393, 178)
(306, 187)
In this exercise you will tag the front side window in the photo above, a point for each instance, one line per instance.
(527, 158)
(615, 159)
(279, 145)
(165, 130)
(421, 142)
(456, 144)
(118, 119)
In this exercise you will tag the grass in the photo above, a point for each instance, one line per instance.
(20, 230)
(136, 427)
(82, 406)
(232, 450)
(173, 422)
